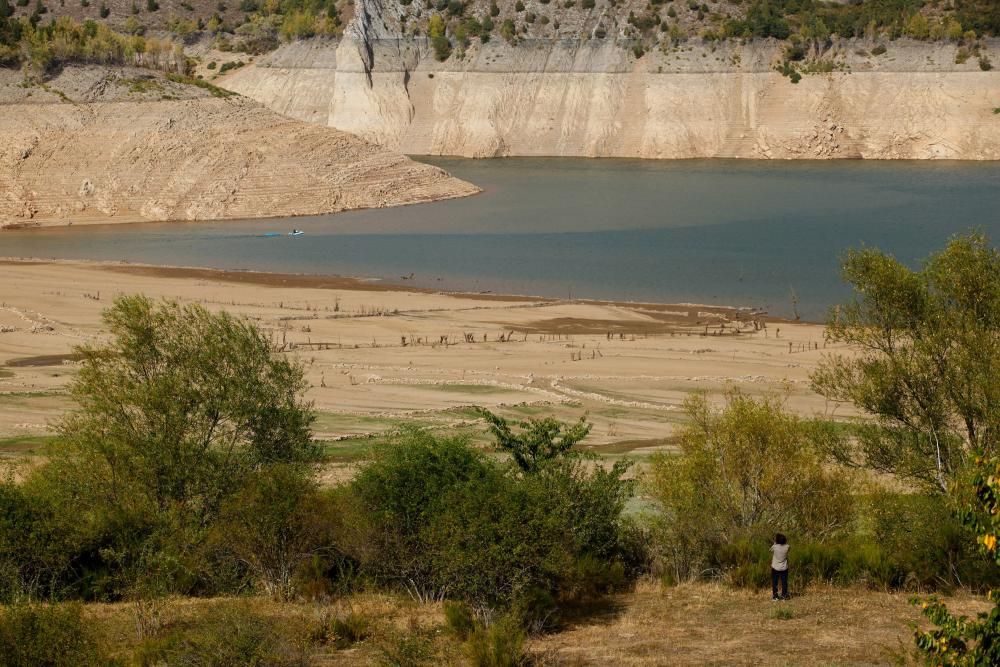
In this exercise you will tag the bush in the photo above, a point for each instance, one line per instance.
(508, 30)
(48, 636)
(445, 521)
(442, 47)
(274, 524)
(959, 640)
(458, 619)
(227, 634)
(342, 630)
(748, 469)
(500, 644)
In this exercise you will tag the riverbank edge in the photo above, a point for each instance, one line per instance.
(349, 283)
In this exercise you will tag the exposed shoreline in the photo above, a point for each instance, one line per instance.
(338, 282)
(375, 354)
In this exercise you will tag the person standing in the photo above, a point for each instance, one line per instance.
(779, 567)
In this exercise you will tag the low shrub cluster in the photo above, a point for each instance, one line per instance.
(62, 41)
(440, 519)
(33, 635)
(751, 470)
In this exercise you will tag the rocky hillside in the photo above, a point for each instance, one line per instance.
(93, 145)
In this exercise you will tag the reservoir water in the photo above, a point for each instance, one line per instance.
(722, 232)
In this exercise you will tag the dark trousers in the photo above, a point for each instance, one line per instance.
(775, 576)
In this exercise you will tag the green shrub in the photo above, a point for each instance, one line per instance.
(442, 47)
(960, 640)
(408, 649)
(446, 520)
(228, 634)
(231, 65)
(748, 469)
(458, 619)
(501, 644)
(507, 30)
(342, 630)
(783, 613)
(48, 636)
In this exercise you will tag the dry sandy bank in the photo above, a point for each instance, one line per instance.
(100, 146)
(375, 356)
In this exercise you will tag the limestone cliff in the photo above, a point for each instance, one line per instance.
(594, 97)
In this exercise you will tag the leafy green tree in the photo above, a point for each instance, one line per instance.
(959, 640)
(175, 413)
(538, 441)
(747, 470)
(924, 363)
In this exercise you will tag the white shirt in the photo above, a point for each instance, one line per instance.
(779, 557)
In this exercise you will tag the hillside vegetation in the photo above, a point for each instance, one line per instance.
(187, 470)
(257, 26)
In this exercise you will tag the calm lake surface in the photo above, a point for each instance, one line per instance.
(722, 232)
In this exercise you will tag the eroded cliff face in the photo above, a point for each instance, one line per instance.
(595, 98)
(117, 159)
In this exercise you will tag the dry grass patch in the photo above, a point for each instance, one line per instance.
(705, 624)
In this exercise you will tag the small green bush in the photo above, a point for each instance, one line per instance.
(499, 645)
(227, 634)
(346, 630)
(783, 613)
(48, 636)
(458, 619)
(442, 47)
(407, 649)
